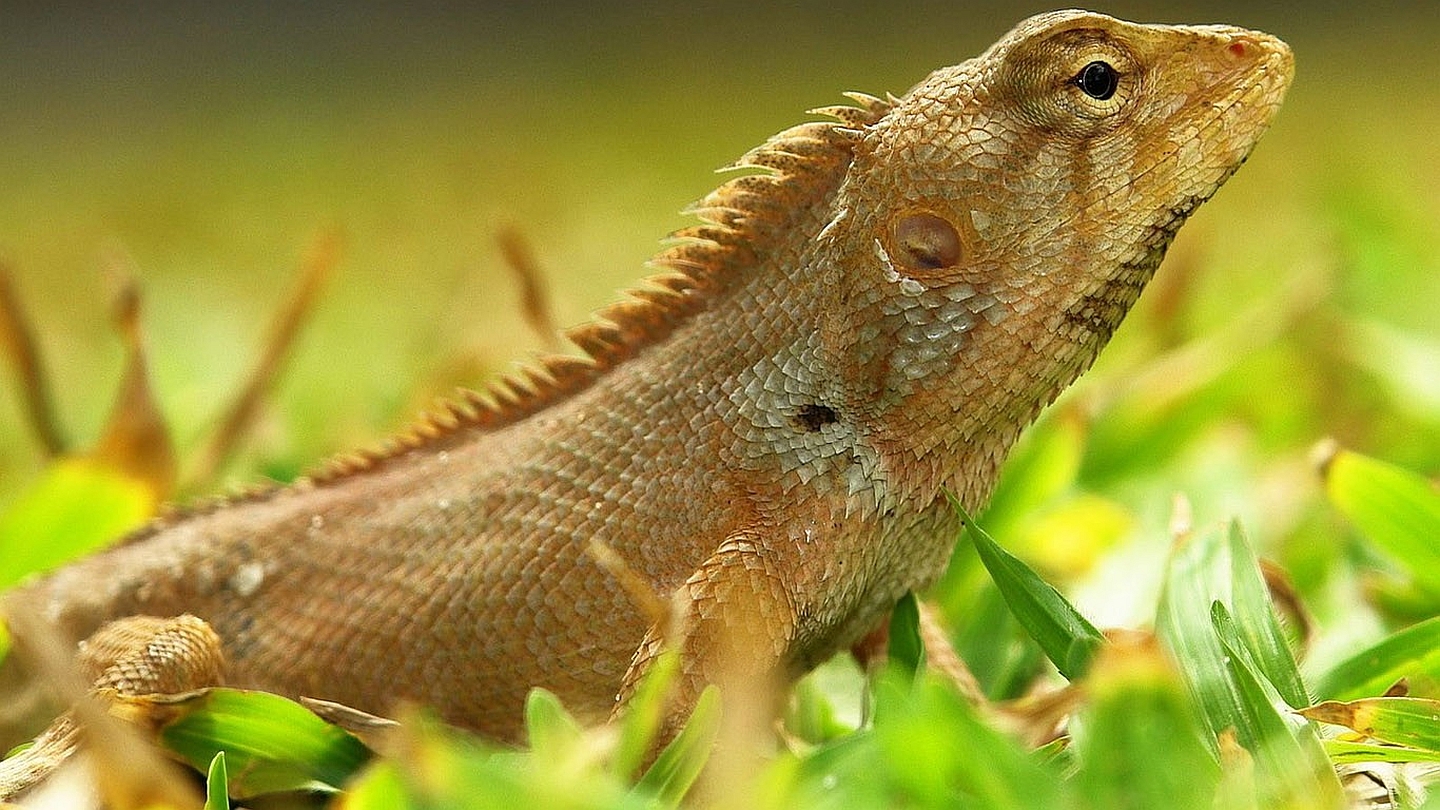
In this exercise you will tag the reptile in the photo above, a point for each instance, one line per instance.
(762, 434)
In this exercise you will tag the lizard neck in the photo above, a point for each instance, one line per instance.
(947, 378)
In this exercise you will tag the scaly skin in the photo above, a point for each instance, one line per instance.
(763, 434)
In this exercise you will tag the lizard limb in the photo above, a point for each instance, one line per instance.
(734, 620)
(131, 657)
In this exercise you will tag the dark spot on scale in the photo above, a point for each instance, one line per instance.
(240, 640)
(814, 416)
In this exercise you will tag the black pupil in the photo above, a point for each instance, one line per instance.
(1098, 80)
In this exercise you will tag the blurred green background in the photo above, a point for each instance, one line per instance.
(208, 145)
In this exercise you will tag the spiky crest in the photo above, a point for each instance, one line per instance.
(739, 221)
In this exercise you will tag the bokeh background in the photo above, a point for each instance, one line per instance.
(207, 145)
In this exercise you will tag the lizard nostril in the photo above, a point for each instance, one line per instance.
(1239, 48)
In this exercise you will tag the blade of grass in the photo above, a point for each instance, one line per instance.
(1263, 703)
(1412, 722)
(1342, 752)
(905, 648)
(812, 718)
(1398, 510)
(1068, 639)
(216, 784)
(552, 732)
(435, 766)
(1410, 653)
(380, 787)
(678, 766)
(1290, 763)
(643, 714)
(272, 743)
(849, 771)
(1255, 621)
(1208, 573)
(1004, 659)
(1226, 674)
(1184, 626)
(75, 507)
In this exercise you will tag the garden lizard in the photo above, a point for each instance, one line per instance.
(763, 433)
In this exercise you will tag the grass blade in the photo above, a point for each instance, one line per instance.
(1412, 653)
(1412, 722)
(1256, 623)
(1398, 510)
(1068, 639)
(1002, 656)
(1208, 573)
(272, 744)
(75, 507)
(380, 787)
(928, 738)
(1342, 752)
(905, 648)
(216, 784)
(1258, 706)
(552, 732)
(1291, 768)
(644, 713)
(678, 766)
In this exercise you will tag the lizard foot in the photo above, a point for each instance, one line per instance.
(128, 658)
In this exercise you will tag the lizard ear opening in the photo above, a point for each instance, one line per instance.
(923, 242)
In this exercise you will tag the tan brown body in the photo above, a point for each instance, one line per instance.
(765, 431)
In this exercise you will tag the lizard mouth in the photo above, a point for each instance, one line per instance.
(1258, 92)
(1257, 80)
(1258, 89)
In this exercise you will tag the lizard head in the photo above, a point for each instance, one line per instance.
(1006, 212)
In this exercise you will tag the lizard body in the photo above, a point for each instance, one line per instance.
(762, 433)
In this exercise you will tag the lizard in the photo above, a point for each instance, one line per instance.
(763, 432)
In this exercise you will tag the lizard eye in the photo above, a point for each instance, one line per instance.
(926, 242)
(1098, 80)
